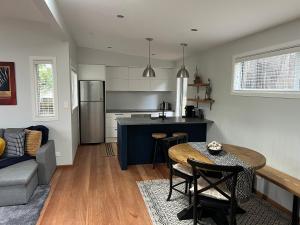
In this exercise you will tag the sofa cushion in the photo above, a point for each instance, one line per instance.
(5, 162)
(33, 141)
(44, 130)
(18, 174)
(15, 142)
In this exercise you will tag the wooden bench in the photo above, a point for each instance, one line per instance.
(287, 182)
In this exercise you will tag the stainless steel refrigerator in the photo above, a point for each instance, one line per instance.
(91, 112)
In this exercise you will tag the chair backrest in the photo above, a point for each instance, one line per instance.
(229, 177)
(171, 141)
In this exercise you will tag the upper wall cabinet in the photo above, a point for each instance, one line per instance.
(117, 72)
(131, 79)
(117, 78)
(91, 72)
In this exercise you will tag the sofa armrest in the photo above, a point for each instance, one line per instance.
(46, 160)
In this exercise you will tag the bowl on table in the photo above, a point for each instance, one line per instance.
(214, 148)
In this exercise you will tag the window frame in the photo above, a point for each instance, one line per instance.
(258, 93)
(33, 61)
(73, 70)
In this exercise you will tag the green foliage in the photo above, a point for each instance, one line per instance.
(45, 77)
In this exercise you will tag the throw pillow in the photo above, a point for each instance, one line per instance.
(33, 141)
(43, 129)
(15, 143)
(2, 146)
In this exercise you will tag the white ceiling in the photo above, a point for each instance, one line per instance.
(93, 23)
(21, 9)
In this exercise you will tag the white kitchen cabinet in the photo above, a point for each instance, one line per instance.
(161, 85)
(165, 73)
(136, 73)
(165, 80)
(131, 79)
(91, 72)
(117, 78)
(117, 72)
(139, 85)
(115, 84)
(111, 125)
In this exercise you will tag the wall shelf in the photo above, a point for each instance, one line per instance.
(207, 99)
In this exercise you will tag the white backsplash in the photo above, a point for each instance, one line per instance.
(138, 100)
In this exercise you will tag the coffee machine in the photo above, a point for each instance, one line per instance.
(192, 112)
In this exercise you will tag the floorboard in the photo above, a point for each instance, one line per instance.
(96, 191)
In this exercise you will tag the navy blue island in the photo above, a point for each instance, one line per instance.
(135, 143)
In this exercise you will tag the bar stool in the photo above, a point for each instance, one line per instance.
(178, 134)
(157, 137)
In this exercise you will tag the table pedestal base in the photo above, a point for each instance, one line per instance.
(218, 216)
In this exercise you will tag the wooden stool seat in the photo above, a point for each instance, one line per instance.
(159, 135)
(177, 134)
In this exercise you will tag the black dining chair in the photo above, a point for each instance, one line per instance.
(215, 197)
(176, 169)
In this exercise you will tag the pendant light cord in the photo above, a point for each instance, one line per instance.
(149, 52)
(183, 55)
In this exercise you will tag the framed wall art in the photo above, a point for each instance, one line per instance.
(7, 84)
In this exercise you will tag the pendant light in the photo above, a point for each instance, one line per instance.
(183, 73)
(149, 71)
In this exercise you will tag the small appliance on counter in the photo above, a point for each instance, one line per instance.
(165, 106)
(192, 112)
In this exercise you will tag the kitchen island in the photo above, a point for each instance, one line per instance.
(135, 143)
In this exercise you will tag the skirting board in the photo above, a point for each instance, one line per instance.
(272, 202)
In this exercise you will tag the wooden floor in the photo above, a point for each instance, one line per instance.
(96, 191)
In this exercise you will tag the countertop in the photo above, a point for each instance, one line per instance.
(135, 110)
(159, 121)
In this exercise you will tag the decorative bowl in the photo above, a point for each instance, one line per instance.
(214, 152)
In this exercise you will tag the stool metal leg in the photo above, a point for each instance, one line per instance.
(154, 155)
(295, 215)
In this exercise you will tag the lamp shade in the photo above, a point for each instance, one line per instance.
(149, 71)
(183, 73)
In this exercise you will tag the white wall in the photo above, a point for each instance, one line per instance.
(268, 125)
(75, 112)
(99, 57)
(19, 41)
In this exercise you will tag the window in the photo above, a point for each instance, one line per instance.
(74, 86)
(44, 88)
(274, 72)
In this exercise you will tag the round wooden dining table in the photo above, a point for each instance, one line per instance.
(181, 152)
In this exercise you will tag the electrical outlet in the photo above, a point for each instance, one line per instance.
(58, 154)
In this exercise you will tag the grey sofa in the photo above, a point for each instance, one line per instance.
(18, 181)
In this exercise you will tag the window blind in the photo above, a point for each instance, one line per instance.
(272, 71)
(45, 101)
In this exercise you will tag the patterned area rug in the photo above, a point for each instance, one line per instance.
(162, 212)
(25, 214)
